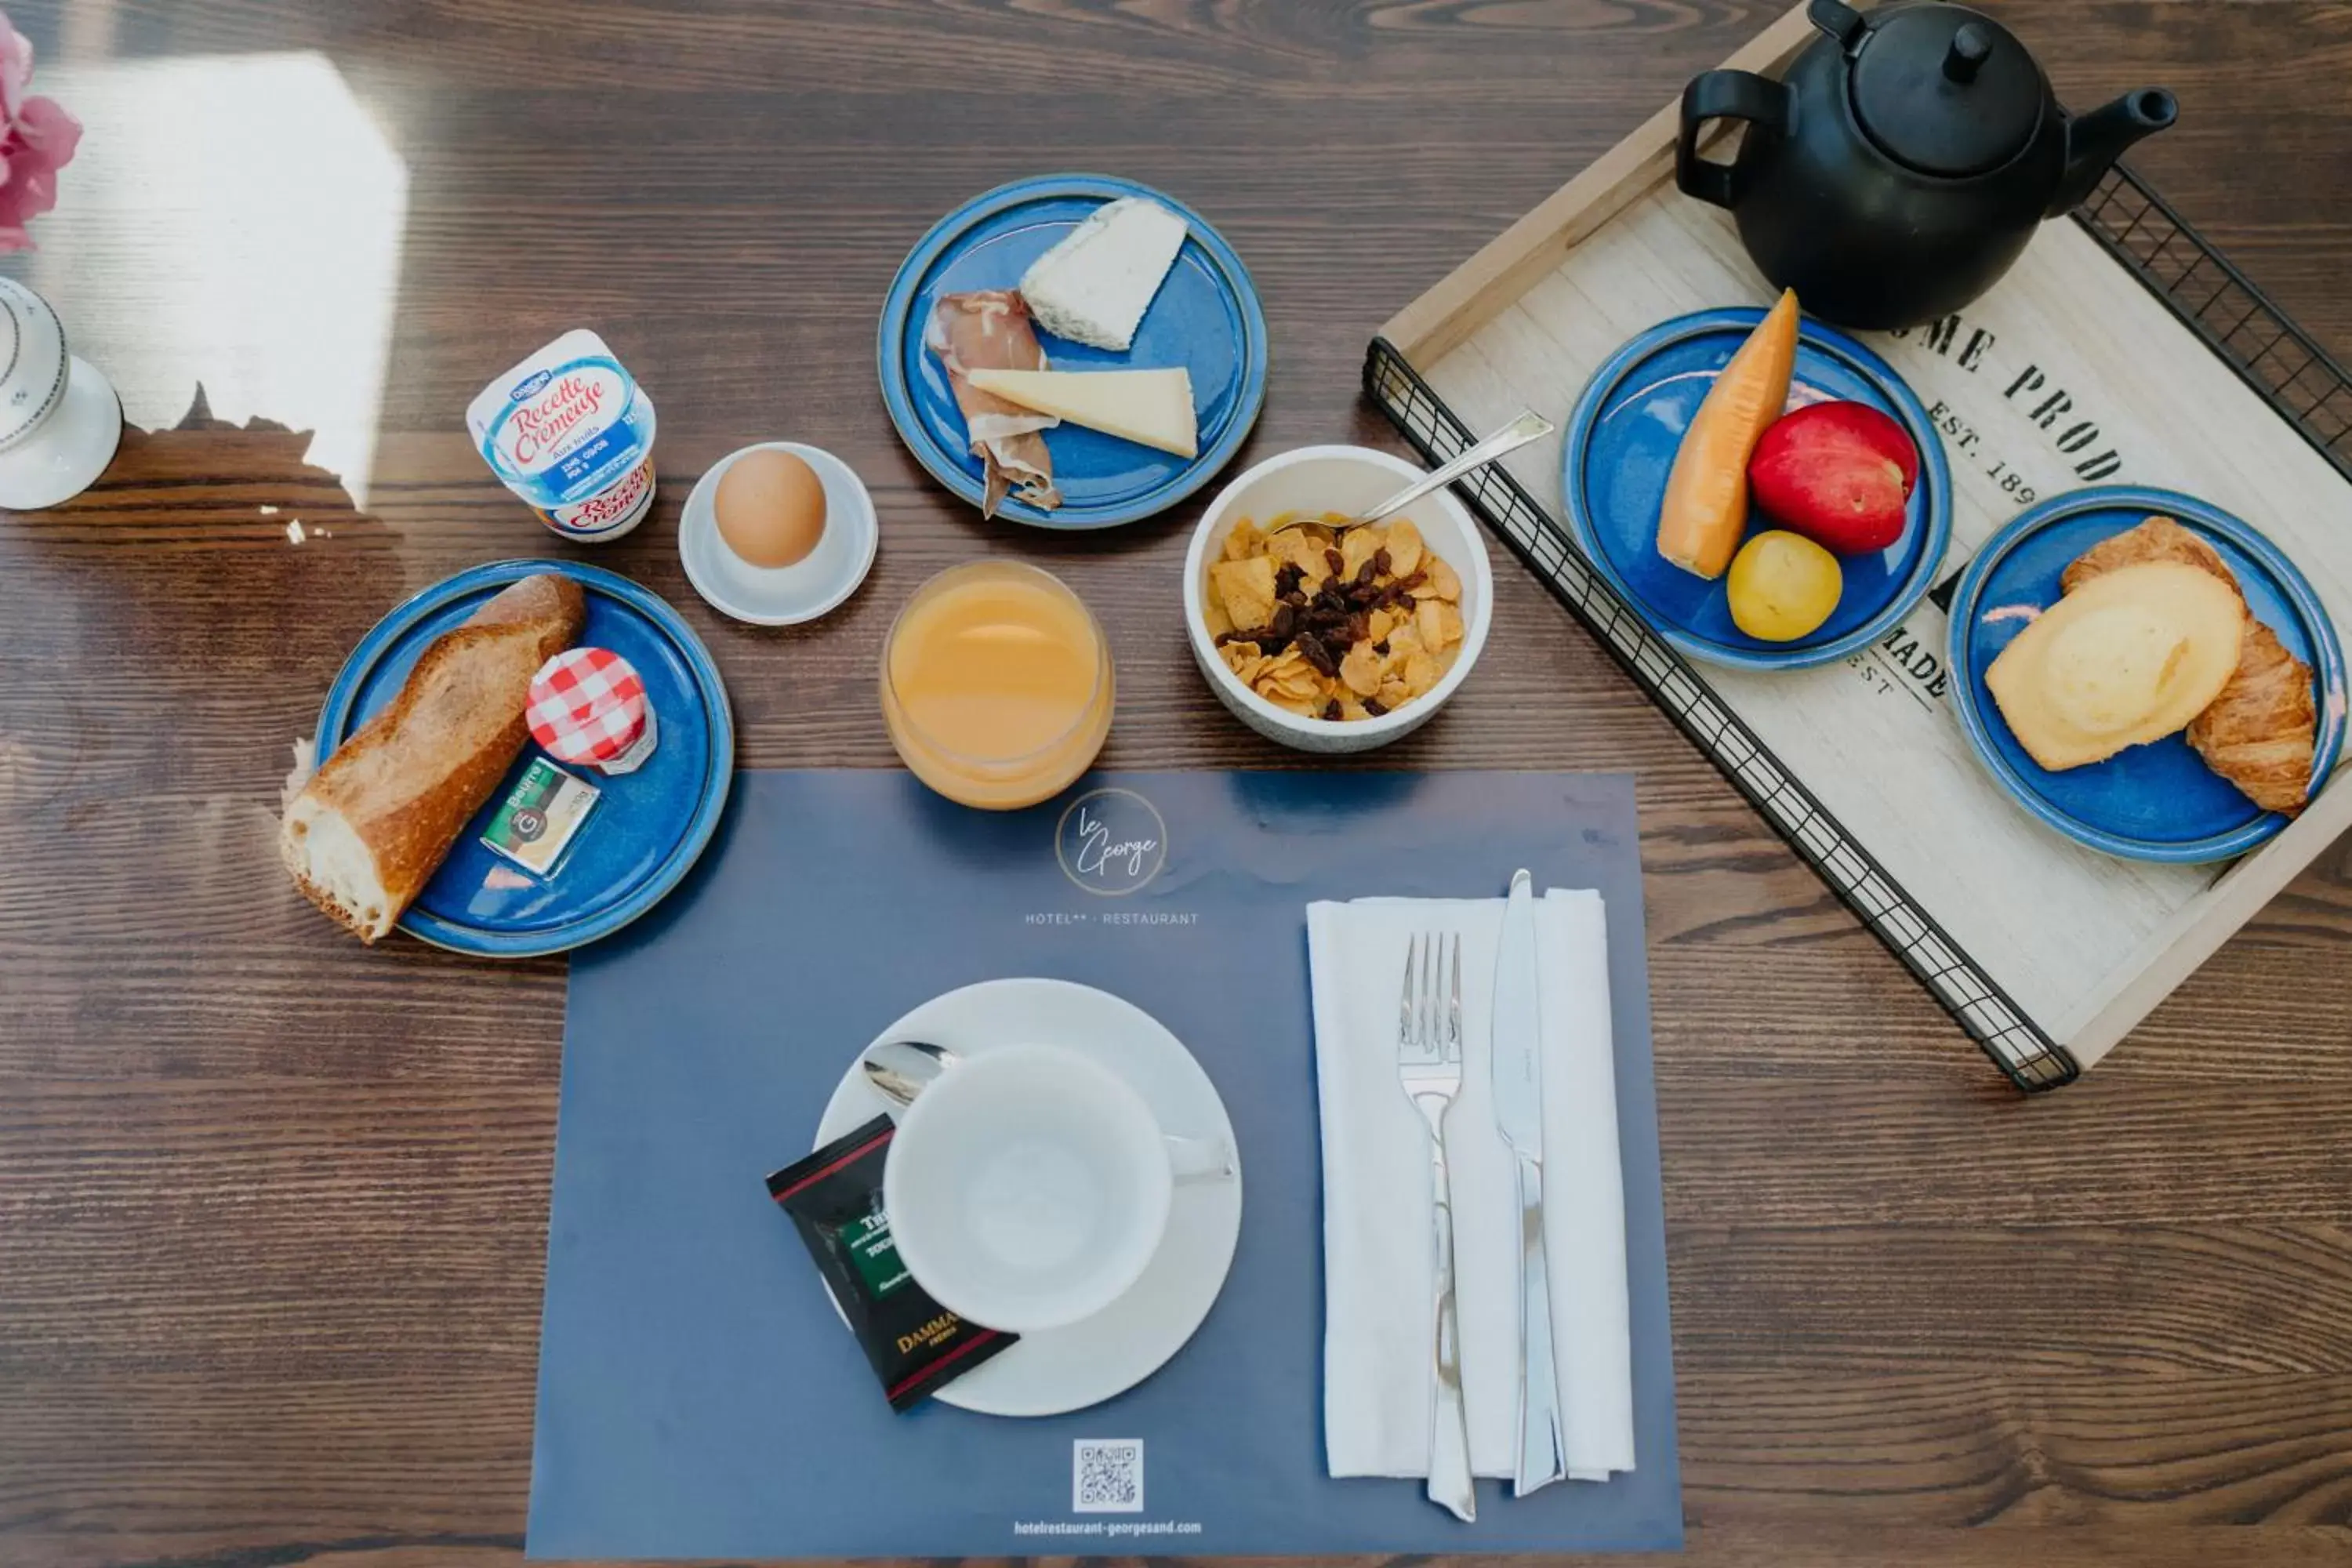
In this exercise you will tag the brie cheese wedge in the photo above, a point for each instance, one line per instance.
(1096, 283)
(1153, 407)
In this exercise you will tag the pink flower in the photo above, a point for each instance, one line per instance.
(37, 138)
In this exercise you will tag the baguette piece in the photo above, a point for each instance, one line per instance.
(367, 832)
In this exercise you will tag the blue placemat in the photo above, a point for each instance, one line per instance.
(698, 1399)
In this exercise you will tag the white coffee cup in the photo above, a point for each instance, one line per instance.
(1029, 1187)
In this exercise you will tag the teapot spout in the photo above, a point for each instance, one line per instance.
(2094, 140)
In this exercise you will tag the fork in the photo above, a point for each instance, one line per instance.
(1429, 1066)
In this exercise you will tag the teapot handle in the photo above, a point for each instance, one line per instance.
(1723, 94)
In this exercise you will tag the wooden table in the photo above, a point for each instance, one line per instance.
(272, 1208)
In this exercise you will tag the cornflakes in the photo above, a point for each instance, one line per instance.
(1439, 624)
(1443, 580)
(1404, 548)
(1305, 551)
(1247, 589)
(1337, 629)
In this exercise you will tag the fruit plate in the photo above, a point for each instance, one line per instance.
(1621, 446)
(2157, 802)
(1206, 318)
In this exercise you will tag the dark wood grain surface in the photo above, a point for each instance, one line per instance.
(272, 1208)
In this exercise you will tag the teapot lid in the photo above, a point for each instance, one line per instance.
(1946, 90)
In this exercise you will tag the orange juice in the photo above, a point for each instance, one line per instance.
(996, 685)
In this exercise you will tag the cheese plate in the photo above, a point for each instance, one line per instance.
(1203, 319)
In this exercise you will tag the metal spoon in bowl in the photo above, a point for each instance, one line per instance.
(1529, 427)
(900, 1069)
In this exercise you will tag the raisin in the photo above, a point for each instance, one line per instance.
(1365, 574)
(1286, 580)
(1359, 627)
(1331, 709)
(1381, 647)
(1381, 562)
(1296, 598)
(1339, 563)
(1317, 657)
(1224, 637)
(1285, 622)
(1374, 706)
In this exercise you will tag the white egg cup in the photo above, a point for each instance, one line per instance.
(782, 595)
(60, 420)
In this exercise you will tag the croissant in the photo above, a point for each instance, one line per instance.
(2259, 733)
(2157, 539)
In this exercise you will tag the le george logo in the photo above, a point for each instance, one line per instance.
(1111, 842)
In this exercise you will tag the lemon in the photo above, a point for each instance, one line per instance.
(1782, 585)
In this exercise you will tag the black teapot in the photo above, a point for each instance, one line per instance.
(1903, 161)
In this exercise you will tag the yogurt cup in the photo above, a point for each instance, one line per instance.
(570, 433)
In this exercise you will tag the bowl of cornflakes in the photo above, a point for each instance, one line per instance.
(1333, 644)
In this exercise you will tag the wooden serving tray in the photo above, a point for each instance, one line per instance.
(2121, 350)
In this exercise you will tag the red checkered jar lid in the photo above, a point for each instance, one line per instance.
(587, 705)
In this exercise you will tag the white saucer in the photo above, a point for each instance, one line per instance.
(782, 595)
(1086, 1362)
(67, 451)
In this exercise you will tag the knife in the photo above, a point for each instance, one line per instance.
(1540, 1455)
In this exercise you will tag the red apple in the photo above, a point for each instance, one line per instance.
(1838, 473)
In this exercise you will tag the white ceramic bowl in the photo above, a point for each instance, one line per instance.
(1319, 480)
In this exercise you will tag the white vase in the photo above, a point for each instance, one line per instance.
(60, 420)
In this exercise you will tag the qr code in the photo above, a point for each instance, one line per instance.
(1107, 1476)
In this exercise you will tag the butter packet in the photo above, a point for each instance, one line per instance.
(540, 817)
(834, 1199)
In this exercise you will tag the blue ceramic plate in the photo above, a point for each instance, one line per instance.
(1621, 446)
(1206, 318)
(643, 832)
(2156, 801)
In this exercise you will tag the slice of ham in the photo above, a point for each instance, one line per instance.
(988, 329)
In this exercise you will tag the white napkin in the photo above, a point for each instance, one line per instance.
(1377, 1236)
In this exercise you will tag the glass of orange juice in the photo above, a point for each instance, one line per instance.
(996, 685)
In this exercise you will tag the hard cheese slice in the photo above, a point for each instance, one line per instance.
(1094, 285)
(1153, 407)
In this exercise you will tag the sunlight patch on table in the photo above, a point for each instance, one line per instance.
(233, 221)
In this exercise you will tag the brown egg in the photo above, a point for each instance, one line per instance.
(771, 508)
